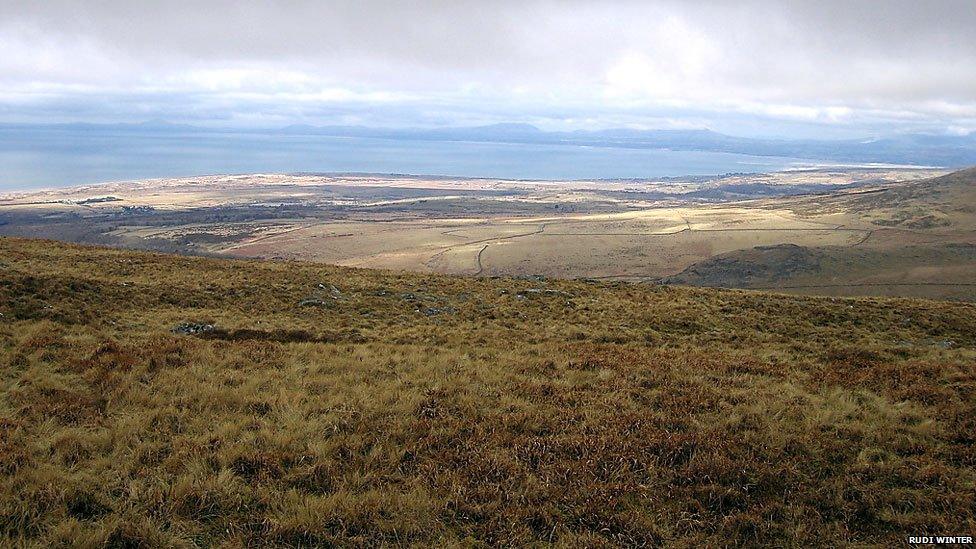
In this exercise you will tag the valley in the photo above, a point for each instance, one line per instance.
(868, 231)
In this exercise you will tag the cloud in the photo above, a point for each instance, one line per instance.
(895, 63)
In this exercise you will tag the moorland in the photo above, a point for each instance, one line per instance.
(854, 231)
(163, 400)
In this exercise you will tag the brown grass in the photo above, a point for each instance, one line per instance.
(416, 409)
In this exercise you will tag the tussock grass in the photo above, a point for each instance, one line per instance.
(591, 415)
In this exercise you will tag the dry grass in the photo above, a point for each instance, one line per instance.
(585, 415)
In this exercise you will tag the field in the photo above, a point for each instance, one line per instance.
(159, 400)
(856, 231)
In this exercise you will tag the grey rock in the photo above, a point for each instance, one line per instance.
(314, 302)
(332, 289)
(434, 311)
(190, 328)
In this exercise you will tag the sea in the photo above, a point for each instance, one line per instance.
(51, 157)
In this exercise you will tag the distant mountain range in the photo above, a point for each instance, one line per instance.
(915, 149)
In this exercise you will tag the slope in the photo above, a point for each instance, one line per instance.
(916, 239)
(159, 400)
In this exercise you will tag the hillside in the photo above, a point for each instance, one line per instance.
(947, 201)
(914, 239)
(158, 400)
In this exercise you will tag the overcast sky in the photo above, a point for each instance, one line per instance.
(803, 68)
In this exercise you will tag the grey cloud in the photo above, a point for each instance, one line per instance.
(866, 56)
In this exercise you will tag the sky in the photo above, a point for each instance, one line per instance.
(823, 68)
